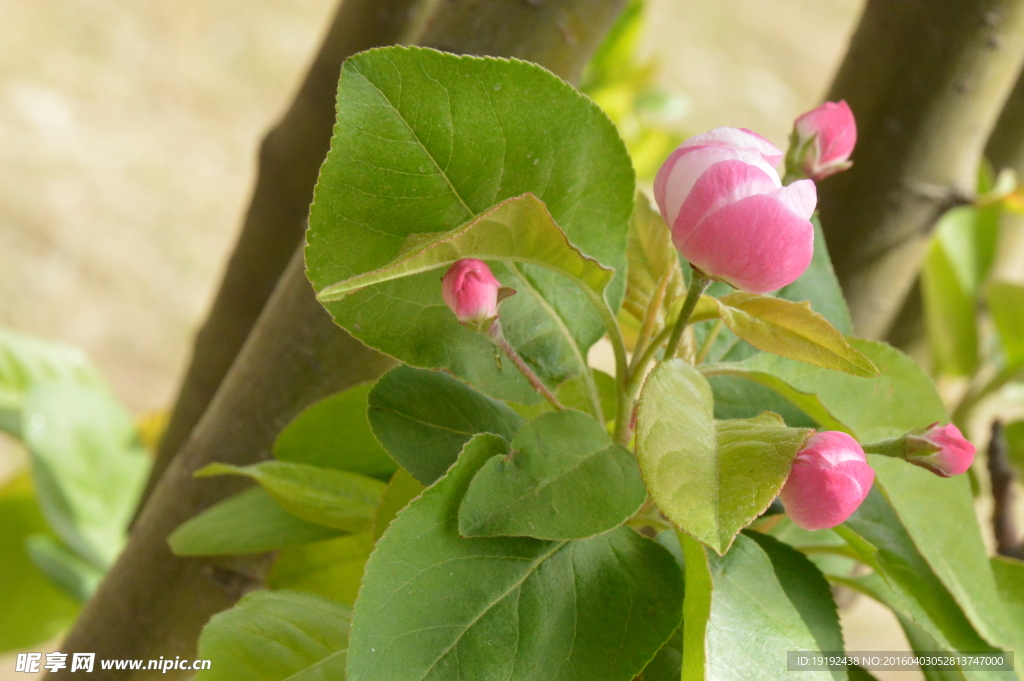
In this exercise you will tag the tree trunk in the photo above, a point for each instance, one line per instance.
(289, 160)
(1005, 149)
(926, 80)
(154, 604)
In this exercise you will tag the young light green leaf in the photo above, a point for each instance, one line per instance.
(902, 397)
(949, 314)
(954, 548)
(402, 489)
(308, 637)
(32, 609)
(26, 361)
(518, 230)
(331, 568)
(423, 418)
(87, 465)
(808, 591)
(561, 478)
(491, 609)
(792, 330)
(424, 143)
(248, 522)
(334, 433)
(340, 499)
(709, 479)
(1006, 305)
(739, 620)
(653, 263)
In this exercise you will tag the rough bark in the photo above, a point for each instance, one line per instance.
(154, 604)
(1001, 474)
(289, 159)
(926, 80)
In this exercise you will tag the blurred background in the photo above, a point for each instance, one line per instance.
(128, 140)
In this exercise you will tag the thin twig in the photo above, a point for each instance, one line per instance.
(498, 337)
(1001, 474)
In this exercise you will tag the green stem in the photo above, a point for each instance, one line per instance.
(495, 334)
(698, 284)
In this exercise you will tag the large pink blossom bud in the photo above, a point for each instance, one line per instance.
(823, 139)
(943, 450)
(829, 480)
(729, 214)
(471, 291)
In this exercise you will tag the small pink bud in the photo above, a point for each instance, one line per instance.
(829, 480)
(471, 291)
(823, 139)
(943, 450)
(729, 214)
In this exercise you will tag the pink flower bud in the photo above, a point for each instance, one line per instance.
(941, 449)
(729, 214)
(829, 480)
(823, 139)
(471, 291)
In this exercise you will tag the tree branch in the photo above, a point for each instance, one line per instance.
(289, 160)
(926, 80)
(152, 603)
(1003, 525)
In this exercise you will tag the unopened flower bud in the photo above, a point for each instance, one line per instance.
(471, 291)
(829, 480)
(729, 214)
(822, 141)
(943, 450)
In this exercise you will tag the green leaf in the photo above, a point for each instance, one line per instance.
(792, 330)
(517, 230)
(819, 286)
(953, 547)
(334, 433)
(709, 479)
(32, 609)
(75, 576)
(26, 362)
(739, 398)
(1006, 305)
(653, 263)
(402, 489)
(667, 665)
(949, 314)
(276, 635)
(739, 619)
(88, 467)
(424, 143)
(499, 608)
(331, 568)
(423, 418)
(340, 499)
(249, 522)
(561, 478)
(1009, 574)
(902, 397)
(876, 533)
(808, 591)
